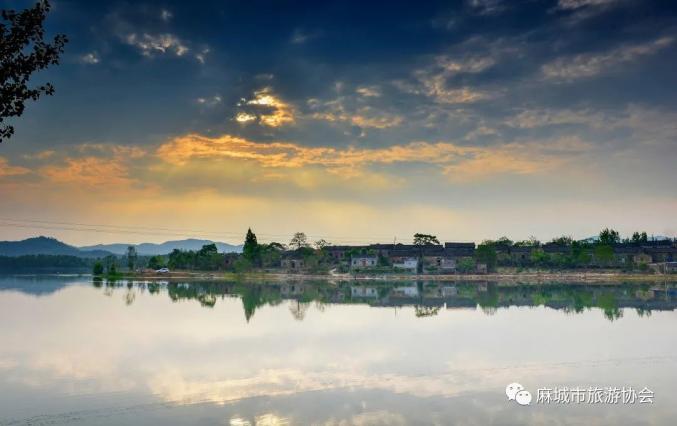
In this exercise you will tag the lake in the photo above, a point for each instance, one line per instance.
(78, 351)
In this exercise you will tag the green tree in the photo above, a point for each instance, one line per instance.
(208, 258)
(321, 243)
(564, 240)
(270, 255)
(180, 259)
(242, 265)
(250, 250)
(609, 236)
(486, 253)
(639, 238)
(208, 250)
(156, 262)
(425, 239)
(580, 255)
(298, 241)
(539, 257)
(24, 51)
(531, 242)
(503, 242)
(465, 265)
(604, 254)
(98, 268)
(132, 256)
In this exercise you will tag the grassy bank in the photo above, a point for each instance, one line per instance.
(517, 277)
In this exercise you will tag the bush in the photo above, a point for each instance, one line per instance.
(242, 265)
(98, 268)
(465, 266)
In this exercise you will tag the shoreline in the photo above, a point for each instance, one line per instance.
(610, 277)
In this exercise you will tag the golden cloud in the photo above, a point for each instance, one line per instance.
(270, 110)
(90, 171)
(95, 165)
(366, 116)
(7, 170)
(457, 162)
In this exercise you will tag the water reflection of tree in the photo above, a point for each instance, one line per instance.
(130, 296)
(427, 301)
(251, 299)
(488, 300)
(641, 312)
(609, 304)
(298, 309)
(426, 311)
(256, 295)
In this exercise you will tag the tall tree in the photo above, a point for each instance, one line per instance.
(609, 236)
(298, 241)
(131, 257)
(639, 237)
(251, 246)
(321, 243)
(23, 51)
(425, 239)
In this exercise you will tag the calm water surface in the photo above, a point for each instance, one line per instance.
(74, 351)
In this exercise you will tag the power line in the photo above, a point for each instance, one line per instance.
(169, 232)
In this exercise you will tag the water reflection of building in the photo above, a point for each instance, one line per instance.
(449, 291)
(292, 289)
(410, 291)
(366, 292)
(487, 295)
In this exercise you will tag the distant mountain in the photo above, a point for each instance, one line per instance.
(150, 249)
(45, 245)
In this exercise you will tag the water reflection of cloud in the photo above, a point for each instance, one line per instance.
(180, 353)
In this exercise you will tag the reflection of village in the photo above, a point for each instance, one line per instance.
(428, 298)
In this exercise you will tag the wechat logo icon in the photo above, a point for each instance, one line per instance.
(515, 392)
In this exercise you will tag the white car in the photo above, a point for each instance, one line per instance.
(162, 271)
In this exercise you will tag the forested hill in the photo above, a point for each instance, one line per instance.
(45, 245)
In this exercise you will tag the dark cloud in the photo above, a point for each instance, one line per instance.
(361, 74)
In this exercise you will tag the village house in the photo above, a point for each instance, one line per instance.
(641, 258)
(520, 254)
(400, 254)
(556, 249)
(459, 250)
(363, 261)
(293, 263)
(624, 254)
(408, 263)
(662, 253)
(338, 253)
(229, 259)
(448, 264)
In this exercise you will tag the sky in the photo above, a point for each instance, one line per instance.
(350, 121)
